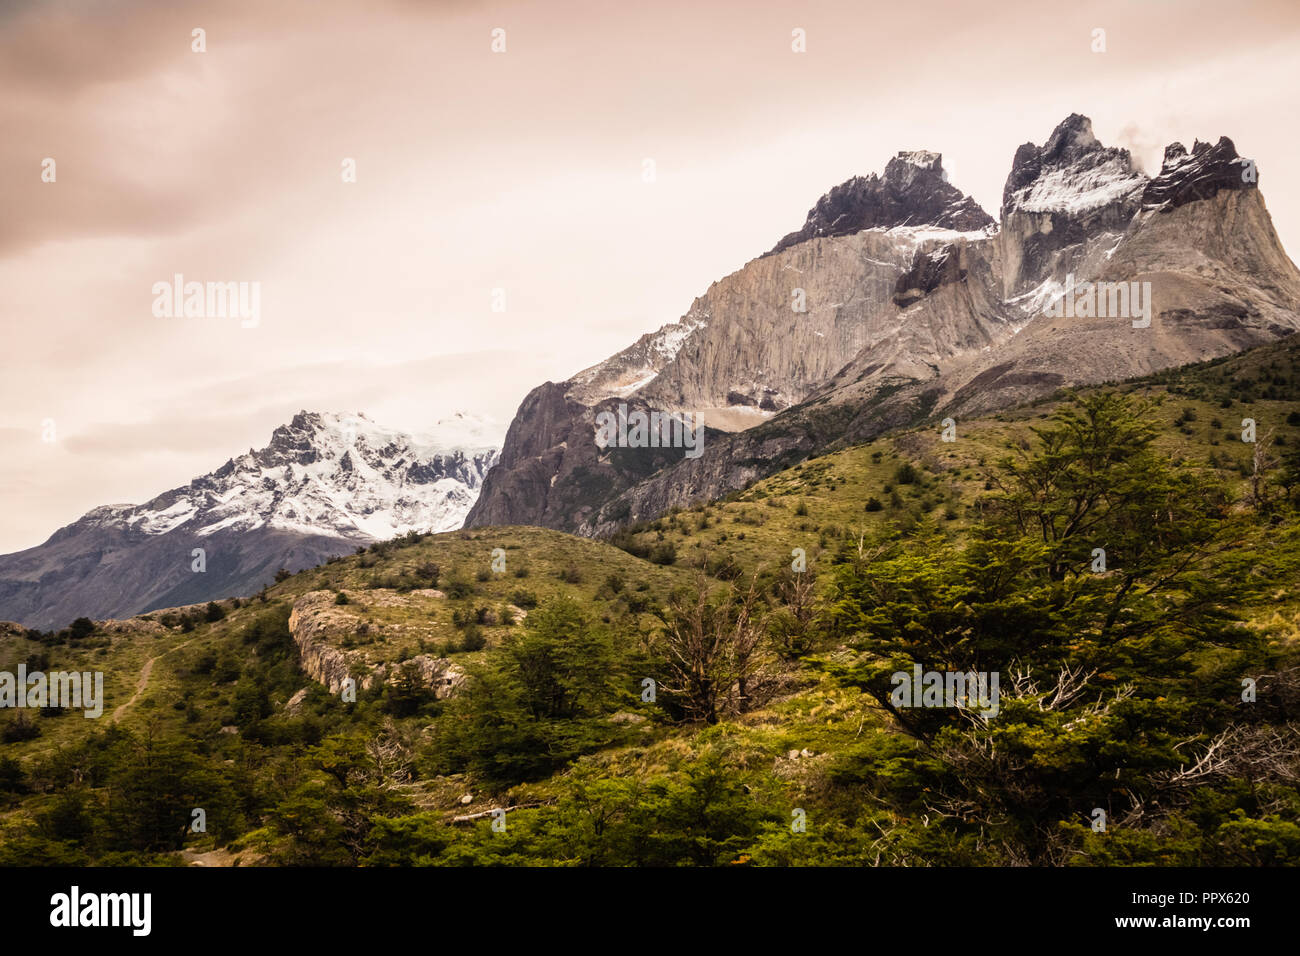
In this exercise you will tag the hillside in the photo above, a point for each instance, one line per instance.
(515, 679)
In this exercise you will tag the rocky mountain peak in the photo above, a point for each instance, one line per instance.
(1072, 173)
(1185, 177)
(295, 441)
(324, 483)
(903, 170)
(1072, 135)
(914, 191)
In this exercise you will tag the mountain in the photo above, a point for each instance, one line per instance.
(918, 306)
(325, 484)
(914, 188)
(1064, 204)
(759, 341)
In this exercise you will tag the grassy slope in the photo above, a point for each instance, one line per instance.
(1197, 412)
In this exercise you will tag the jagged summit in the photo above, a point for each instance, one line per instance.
(920, 159)
(1071, 173)
(1064, 204)
(1072, 133)
(1185, 177)
(914, 191)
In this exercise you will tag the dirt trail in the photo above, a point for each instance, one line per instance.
(143, 681)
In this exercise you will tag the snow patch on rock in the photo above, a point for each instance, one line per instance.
(1073, 191)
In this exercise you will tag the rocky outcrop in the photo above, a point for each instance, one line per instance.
(318, 627)
(313, 628)
(1186, 177)
(928, 271)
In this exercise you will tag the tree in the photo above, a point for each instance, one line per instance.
(1289, 476)
(1262, 462)
(1091, 467)
(540, 702)
(792, 623)
(711, 650)
(565, 662)
(1097, 581)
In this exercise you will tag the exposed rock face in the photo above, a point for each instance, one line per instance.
(325, 484)
(914, 191)
(318, 626)
(928, 271)
(944, 324)
(1064, 204)
(759, 341)
(745, 354)
(1186, 177)
(950, 311)
(312, 626)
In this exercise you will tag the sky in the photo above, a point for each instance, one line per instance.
(485, 179)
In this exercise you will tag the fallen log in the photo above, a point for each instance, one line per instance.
(470, 817)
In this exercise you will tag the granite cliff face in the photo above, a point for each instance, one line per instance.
(917, 307)
(759, 341)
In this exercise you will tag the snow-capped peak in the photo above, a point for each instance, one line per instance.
(331, 473)
(1071, 174)
(332, 433)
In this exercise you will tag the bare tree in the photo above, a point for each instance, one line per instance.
(712, 649)
(1262, 461)
(791, 626)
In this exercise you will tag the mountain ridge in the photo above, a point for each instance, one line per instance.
(324, 483)
(906, 321)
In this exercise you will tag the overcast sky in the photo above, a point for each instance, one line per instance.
(477, 171)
